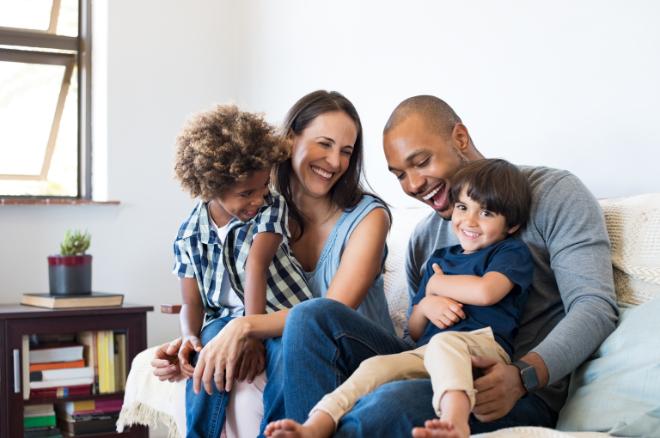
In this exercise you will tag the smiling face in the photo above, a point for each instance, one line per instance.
(243, 199)
(424, 161)
(322, 152)
(475, 226)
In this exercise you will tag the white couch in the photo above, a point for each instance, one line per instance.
(628, 404)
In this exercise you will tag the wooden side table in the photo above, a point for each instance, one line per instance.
(18, 320)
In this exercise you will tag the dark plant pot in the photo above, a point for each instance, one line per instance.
(70, 275)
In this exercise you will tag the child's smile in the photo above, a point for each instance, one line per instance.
(475, 226)
(243, 199)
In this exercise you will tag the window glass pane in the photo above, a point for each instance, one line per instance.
(28, 14)
(63, 174)
(28, 102)
(67, 24)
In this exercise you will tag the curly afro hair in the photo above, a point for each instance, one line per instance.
(216, 148)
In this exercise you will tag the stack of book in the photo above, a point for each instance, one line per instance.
(88, 416)
(94, 299)
(39, 422)
(59, 371)
(90, 362)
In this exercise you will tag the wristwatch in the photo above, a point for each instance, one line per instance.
(528, 375)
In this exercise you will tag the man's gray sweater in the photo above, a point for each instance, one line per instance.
(571, 307)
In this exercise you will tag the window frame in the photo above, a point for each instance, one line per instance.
(29, 42)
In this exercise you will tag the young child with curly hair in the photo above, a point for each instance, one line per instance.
(232, 253)
(469, 303)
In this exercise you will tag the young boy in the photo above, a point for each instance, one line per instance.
(469, 303)
(232, 252)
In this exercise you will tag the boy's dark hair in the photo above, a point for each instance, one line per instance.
(498, 186)
(218, 147)
(349, 189)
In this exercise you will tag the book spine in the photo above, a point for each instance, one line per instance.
(25, 362)
(59, 354)
(111, 361)
(101, 348)
(64, 373)
(56, 365)
(61, 383)
(45, 421)
(61, 392)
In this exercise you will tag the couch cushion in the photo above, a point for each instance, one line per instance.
(633, 225)
(618, 390)
(404, 221)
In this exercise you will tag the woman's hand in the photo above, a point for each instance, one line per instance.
(166, 361)
(189, 345)
(442, 311)
(220, 358)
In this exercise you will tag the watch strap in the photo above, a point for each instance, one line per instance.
(528, 375)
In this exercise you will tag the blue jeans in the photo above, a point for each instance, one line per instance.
(325, 341)
(205, 414)
(273, 392)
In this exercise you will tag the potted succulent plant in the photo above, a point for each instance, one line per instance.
(70, 272)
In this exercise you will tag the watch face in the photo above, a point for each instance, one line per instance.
(529, 378)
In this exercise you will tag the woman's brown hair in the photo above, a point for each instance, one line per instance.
(348, 190)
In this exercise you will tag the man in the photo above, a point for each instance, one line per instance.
(571, 307)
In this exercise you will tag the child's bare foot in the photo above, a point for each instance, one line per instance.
(318, 425)
(441, 428)
(286, 428)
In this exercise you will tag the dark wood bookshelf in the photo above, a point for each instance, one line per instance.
(19, 320)
(41, 400)
(135, 431)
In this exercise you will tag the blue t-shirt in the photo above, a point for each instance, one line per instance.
(509, 257)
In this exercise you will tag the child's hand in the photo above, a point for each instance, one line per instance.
(442, 311)
(437, 276)
(189, 345)
(437, 270)
(166, 361)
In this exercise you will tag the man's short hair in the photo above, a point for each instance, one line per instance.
(498, 186)
(439, 116)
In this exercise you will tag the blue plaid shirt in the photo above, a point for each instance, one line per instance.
(199, 253)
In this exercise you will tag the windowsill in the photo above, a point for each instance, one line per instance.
(52, 201)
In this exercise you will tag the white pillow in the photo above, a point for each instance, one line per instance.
(404, 221)
(618, 389)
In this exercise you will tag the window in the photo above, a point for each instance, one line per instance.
(44, 98)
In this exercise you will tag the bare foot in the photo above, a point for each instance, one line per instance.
(441, 428)
(285, 428)
(317, 426)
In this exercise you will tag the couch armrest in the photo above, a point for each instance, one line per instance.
(170, 308)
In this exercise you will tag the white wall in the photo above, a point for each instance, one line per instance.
(164, 61)
(565, 84)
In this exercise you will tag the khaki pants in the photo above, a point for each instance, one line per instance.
(445, 359)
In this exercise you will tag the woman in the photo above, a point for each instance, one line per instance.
(339, 236)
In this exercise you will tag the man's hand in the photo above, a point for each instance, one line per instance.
(498, 389)
(253, 360)
(189, 345)
(443, 312)
(166, 361)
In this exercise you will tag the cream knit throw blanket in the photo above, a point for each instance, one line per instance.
(633, 225)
